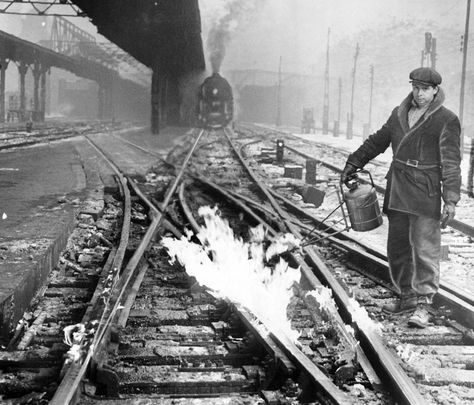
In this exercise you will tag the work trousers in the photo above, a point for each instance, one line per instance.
(413, 250)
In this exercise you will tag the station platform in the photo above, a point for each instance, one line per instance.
(44, 188)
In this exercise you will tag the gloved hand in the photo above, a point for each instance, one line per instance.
(449, 210)
(348, 173)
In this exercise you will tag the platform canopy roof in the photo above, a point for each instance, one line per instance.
(162, 34)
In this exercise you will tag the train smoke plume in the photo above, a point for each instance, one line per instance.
(224, 24)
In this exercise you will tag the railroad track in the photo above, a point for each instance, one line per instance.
(173, 340)
(224, 354)
(461, 333)
(19, 137)
(38, 353)
(334, 158)
(457, 239)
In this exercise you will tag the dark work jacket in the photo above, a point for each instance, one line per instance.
(433, 143)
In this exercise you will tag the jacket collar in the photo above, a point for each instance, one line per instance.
(407, 104)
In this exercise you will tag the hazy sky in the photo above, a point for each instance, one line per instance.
(297, 29)
(263, 30)
(259, 32)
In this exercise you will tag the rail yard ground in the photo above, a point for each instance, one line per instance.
(64, 183)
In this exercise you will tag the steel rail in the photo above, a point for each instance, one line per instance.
(449, 294)
(455, 224)
(129, 270)
(372, 343)
(452, 291)
(186, 209)
(410, 395)
(309, 276)
(460, 302)
(361, 357)
(153, 209)
(294, 230)
(67, 390)
(68, 387)
(282, 349)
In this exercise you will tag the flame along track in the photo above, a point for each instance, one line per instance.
(372, 343)
(326, 390)
(382, 358)
(68, 387)
(405, 392)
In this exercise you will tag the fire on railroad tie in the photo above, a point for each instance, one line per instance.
(237, 271)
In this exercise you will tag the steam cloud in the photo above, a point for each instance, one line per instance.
(224, 25)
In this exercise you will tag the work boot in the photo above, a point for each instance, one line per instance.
(403, 305)
(420, 317)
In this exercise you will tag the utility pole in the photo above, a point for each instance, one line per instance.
(278, 116)
(367, 127)
(371, 94)
(429, 53)
(326, 91)
(339, 102)
(464, 45)
(433, 53)
(465, 40)
(337, 123)
(350, 121)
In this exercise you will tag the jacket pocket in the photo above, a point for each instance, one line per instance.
(429, 179)
(425, 180)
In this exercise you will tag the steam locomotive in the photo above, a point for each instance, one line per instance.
(215, 102)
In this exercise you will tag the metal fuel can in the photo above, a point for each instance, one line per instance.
(363, 206)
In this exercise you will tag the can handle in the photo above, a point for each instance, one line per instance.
(355, 186)
(366, 171)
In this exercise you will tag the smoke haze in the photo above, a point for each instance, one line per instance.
(225, 18)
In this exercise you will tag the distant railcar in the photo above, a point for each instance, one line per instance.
(215, 102)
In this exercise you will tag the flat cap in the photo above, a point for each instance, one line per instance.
(425, 75)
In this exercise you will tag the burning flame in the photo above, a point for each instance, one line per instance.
(361, 317)
(323, 297)
(236, 270)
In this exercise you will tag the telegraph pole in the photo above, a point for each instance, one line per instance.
(350, 121)
(464, 43)
(339, 102)
(470, 173)
(371, 93)
(367, 126)
(433, 53)
(326, 90)
(429, 53)
(278, 117)
(337, 123)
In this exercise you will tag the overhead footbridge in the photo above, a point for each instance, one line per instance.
(28, 55)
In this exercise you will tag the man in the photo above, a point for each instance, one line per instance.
(425, 140)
